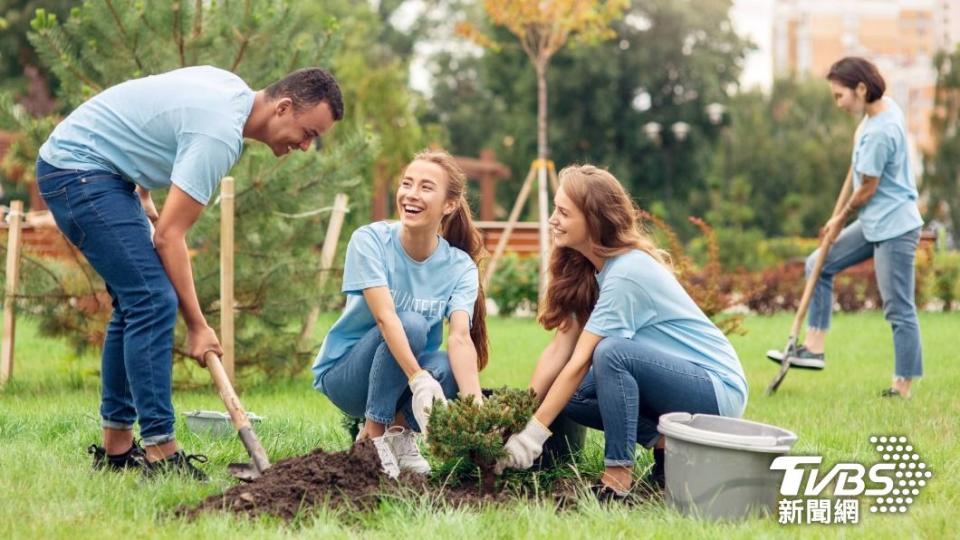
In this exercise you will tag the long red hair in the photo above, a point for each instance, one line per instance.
(614, 228)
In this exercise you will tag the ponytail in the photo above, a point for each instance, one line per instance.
(459, 232)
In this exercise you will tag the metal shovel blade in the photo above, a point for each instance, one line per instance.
(784, 367)
(245, 472)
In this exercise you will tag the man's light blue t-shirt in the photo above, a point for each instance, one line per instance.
(183, 127)
(445, 282)
(880, 150)
(640, 299)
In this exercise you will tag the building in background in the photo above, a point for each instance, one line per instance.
(947, 23)
(900, 36)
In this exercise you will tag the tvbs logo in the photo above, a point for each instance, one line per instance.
(895, 481)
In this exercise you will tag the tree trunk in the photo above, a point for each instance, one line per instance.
(542, 153)
(488, 480)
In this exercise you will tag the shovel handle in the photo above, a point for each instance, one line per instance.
(811, 283)
(237, 415)
(825, 245)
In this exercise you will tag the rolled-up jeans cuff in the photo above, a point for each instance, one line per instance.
(618, 463)
(121, 426)
(154, 440)
(385, 420)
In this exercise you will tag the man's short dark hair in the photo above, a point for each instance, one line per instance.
(853, 70)
(306, 88)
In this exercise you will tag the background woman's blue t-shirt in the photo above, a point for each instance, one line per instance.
(444, 282)
(880, 150)
(642, 300)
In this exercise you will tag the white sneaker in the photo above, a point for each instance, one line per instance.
(388, 461)
(403, 442)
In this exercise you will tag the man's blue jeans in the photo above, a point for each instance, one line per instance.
(100, 213)
(629, 385)
(893, 262)
(368, 382)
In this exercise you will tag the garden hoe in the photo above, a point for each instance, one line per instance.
(825, 244)
(258, 456)
(791, 347)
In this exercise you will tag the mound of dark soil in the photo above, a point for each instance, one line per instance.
(350, 480)
(317, 478)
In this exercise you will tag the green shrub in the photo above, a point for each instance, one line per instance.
(738, 248)
(465, 433)
(515, 282)
(945, 283)
(748, 250)
(773, 251)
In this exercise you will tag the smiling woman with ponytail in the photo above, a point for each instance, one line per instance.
(382, 358)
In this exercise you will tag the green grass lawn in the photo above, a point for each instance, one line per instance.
(48, 415)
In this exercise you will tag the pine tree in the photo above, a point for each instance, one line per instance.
(466, 432)
(280, 216)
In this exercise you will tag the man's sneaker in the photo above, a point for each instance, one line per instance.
(388, 462)
(403, 442)
(131, 459)
(801, 358)
(178, 463)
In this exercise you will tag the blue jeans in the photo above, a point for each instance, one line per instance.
(628, 387)
(893, 261)
(100, 213)
(368, 382)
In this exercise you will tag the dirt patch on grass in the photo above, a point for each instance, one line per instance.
(348, 480)
(317, 478)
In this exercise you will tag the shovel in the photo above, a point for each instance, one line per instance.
(258, 456)
(825, 245)
(791, 346)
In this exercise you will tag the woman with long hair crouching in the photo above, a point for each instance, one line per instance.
(630, 343)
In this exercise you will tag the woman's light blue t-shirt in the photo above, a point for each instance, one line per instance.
(445, 282)
(880, 150)
(183, 127)
(640, 299)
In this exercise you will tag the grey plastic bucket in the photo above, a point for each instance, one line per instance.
(719, 467)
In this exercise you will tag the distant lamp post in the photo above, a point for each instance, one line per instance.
(715, 113)
(652, 131)
(680, 130)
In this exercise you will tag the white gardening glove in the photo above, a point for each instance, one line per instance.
(524, 447)
(425, 390)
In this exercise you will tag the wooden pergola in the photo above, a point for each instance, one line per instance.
(486, 170)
